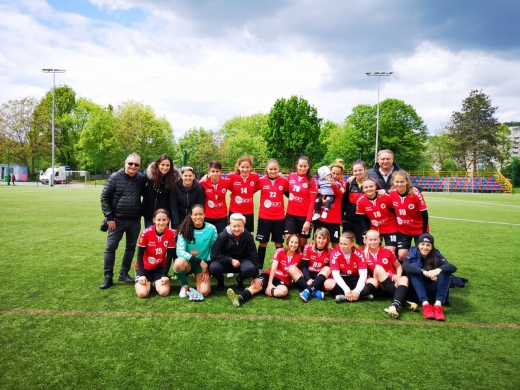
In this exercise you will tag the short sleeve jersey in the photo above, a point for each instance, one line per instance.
(301, 195)
(242, 192)
(385, 258)
(282, 271)
(155, 247)
(378, 212)
(215, 198)
(201, 245)
(271, 197)
(347, 265)
(408, 212)
(317, 259)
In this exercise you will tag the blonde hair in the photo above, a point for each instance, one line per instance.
(371, 231)
(409, 187)
(338, 163)
(237, 217)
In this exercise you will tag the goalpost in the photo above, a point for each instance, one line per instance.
(76, 176)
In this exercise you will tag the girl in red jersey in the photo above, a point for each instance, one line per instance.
(384, 266)
(215, 188)
(353, 191)
(154, 256)
(349, 280)
(271, 214)
(410, 210)
(303, 191)
(243, 186)
(379, 212)
(314, 267)
(333, 220)
(276, 280)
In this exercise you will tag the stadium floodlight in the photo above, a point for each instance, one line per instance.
(53, 71)
(378, 75)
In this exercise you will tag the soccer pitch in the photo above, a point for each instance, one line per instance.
(59, 330)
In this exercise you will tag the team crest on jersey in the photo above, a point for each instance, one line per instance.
(383, 206)
(349, 272)
(385, 261)
(411, 206)
(355, 265)
(166, 243)
(224, 190)
(305, 185)
(280, 188)
(251, 183)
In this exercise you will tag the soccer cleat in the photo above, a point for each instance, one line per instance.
(230, 275)
(438, 313)
(340, 298)
(234, 297)
(315, 216)
(411, 305)
(392, 311)
(194, 295)
(318, 294)
(304, 296)
(369, 297)
(427, 312)
(183, 293)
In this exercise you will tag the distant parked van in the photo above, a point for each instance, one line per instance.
(61, 175)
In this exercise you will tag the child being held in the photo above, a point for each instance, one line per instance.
(326, 193)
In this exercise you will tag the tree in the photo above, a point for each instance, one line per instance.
(400, 130)
(18, 132)
(242, 136)
(440, 149)
(475, 131)
(200, 146)
(293, 129)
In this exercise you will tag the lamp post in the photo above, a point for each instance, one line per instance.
(53, 71)
(378, 75)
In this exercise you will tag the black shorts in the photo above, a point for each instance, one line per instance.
(333, 228)
(404, 241)
(152, 275)
(270, 228)
(250, 222)
(265, 281)
(294, 225)
(354, 226)
(390, 239)
(350, 281)
(219, 223)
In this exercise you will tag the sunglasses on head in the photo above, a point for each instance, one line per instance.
(131, 164)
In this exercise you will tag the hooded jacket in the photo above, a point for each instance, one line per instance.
(182, 199)
(154, 198)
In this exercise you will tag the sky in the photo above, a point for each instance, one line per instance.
(199, 63)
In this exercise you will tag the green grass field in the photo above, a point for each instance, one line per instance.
(59, 330)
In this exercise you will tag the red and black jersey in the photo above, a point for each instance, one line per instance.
(282, 271)
(317, 259)
(408, 212)
(242, 192)
(155, 247)
(215, 206)
(302, 195)
(385, 258)
(271, 197)
(347, 265)
(378, 212)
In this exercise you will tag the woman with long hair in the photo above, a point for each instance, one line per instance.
(162, 176)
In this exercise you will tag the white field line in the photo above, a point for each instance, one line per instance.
(472, 201)
(474, 220)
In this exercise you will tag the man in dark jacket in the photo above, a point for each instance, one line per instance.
(383, 169)
(121, 205)
(234, 251)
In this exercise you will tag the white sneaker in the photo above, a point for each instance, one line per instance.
(230, 276)
(184, 292)
(324, 215)
(315, 216)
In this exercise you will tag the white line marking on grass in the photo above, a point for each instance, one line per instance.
(475, 201)
(250, 317)
(474, 220)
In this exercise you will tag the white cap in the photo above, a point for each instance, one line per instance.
(323, 171)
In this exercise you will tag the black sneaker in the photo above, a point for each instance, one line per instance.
(126, 278)
(106, 283)
(240, 284)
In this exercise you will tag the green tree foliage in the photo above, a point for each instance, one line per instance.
(18, 133)
(242, 136)
(200, 146)
(504, 146)
(475, 131)
(293, 130)
(330, 131)
(440, 149)
(136, 128)
(400, 130)
(65, 132)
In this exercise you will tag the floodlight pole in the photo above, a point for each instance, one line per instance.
(53, 71)
(378, 74)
